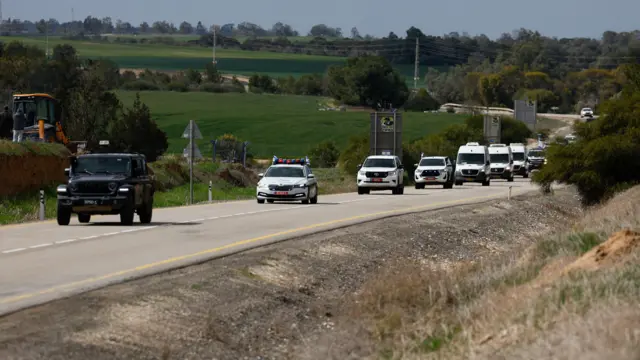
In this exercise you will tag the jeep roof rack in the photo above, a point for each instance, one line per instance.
(473, 144)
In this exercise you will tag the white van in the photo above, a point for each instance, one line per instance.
(501, 162)
(473, 164)
(518, 151)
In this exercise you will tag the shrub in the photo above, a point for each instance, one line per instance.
(355, 152)
(325, 154)
(140, 85)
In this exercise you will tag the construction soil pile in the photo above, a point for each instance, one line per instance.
(30, 166)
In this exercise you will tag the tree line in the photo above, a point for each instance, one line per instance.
(90, 110)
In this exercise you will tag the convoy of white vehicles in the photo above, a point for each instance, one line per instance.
(293, 180)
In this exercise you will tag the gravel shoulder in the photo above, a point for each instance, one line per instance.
(289, 300)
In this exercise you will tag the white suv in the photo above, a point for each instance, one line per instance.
(381, 172)
(586, 112)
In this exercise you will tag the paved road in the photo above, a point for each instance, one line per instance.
(43, 261)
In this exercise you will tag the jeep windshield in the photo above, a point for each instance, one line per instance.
(381, 163)
(474, 159)
(431, 162)
(102, 165)
(284, 171)
(536, 153)
(499, 158)
(518, 156)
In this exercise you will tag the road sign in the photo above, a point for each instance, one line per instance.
(196, 152)
(196, 132)
(386, 133)
(492, 128)
(526, 111)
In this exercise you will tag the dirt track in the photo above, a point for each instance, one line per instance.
(282, 301)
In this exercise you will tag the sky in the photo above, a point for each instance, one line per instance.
(561, 18)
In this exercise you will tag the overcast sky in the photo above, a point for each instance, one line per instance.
(562, 18)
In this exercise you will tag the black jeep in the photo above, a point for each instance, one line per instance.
(106, 184)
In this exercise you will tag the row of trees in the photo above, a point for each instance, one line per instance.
(91, 111)
(97, 26)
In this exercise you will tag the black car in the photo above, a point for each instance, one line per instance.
(106, 184)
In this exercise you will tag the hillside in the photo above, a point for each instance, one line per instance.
(274, 124)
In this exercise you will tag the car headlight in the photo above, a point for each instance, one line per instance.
(361, 172)
(392, 173)
(299, 186)
(61, 189)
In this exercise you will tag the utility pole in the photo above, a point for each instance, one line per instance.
(1, 19)
(415, 70)
(214, 44)
(46, 32)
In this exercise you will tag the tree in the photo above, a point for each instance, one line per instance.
(211, 73)
(200, 29)
(354, 153)
(185, 28)
(355, 34)
(136, 131)
(367, 80)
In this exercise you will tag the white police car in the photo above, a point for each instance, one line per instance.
(287, 180)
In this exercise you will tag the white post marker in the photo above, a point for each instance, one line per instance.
(210, 194)
(42, 209)
(510, 192)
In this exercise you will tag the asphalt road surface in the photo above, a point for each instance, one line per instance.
(43, 261)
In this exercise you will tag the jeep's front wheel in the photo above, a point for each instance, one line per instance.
(63, 215)
(146, 212)
(126, 213)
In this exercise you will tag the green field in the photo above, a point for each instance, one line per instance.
(176, 57)
(274, 124)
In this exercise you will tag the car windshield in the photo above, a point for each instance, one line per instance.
(499, 158)
(536, 153)
(104, 165)
(284, 171)
(431, 162)
(518, 156)
(477, 159)
(586, 109)
(378, 162)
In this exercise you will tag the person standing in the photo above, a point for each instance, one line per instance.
(5, 123)
(19, 121)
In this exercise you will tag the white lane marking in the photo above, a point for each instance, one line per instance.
(181, 222)
(13, 250)
(65, 241)
(40, 246)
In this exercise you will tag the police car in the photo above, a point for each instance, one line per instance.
(287, 180)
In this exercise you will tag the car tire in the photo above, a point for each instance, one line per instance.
(526, 175)
(126, 213)
(314, 199)
(146, 213)
(362, 191)
(84, 218)
(270, 201)
(63, 216)
(486, 183)
(420, 186)
(458, 183)
(260, 201)
(510, 179)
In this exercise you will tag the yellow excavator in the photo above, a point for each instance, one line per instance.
(44, 120)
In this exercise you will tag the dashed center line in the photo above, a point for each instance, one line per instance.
(60, 242)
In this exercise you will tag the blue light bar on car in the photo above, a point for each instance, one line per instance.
(301, 161)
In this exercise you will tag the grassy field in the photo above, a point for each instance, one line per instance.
(175, 57)
(274, 124)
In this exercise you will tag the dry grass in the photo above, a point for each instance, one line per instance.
(568, 296)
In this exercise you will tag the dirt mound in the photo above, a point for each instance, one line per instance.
(29, 166)
(239, 176)
(614, 251)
